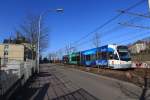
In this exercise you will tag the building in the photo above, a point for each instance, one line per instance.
(137, 47)
(11, 52)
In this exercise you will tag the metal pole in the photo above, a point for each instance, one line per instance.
(38, 45)
(39, 32)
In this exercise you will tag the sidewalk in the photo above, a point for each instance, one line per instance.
(51, 85)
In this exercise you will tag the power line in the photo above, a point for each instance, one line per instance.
(135, 26)
(110, 20)
(119, 37)
(135, 5)
(104, 34)
(131, 38)
(107, 22)
(135, 14)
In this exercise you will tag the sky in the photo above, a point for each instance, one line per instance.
(79, 18)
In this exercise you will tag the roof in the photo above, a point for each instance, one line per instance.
(11, 44)
(90, 51)
(74, 54)
(106, 48)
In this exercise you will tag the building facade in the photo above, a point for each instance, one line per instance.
(14, 52)
(138, 47)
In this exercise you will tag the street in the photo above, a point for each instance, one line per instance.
(56, 82)
(102, 87)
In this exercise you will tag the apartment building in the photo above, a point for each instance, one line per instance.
(14, 52)
(138, 47)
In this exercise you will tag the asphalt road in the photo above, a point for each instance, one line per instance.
(57, 82)
(101, 87)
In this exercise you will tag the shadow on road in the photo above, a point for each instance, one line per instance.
(79, 94)
(144, 93)
(43, 74)
(31, 88)
(27, 91)
(42, 92)
(48, 86)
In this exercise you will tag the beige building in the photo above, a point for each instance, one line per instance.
(14, 52)
(138, 47)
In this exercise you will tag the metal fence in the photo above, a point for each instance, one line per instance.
(11, 71)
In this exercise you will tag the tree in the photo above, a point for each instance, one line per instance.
(67, 49)
(60, 53)
(50, 56)
(19, 38)
(45, 60)
(30, 30)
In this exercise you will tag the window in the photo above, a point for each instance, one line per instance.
(99, 54)
(104, 55)
(88, 58)
(5, 53)
(5, 61)
(125, 56)
(110, 55)
(6, 47)
(93, 56)
(73, 58)
(116, 57)
(78, 58)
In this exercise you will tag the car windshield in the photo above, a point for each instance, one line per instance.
(125, 56)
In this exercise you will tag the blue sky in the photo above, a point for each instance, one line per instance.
(79, 18)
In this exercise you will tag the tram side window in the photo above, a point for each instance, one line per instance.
(99, 54)
(78, 58)
(73, 59)
(88, 58)
(110, 55)
(93, 57)
(104, 55)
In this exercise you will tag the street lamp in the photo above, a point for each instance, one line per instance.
(39, 31)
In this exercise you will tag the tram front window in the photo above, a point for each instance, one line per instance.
(125, 56)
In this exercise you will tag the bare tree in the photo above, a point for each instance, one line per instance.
(30, 30)
(74, 49)
(53, 56)
(50, 56)
(60, 53)
(67, 49)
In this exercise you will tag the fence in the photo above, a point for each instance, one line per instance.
(13, 71)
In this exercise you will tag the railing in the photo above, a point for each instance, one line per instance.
(11, 71)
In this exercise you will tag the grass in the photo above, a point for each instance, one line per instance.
(141, 57)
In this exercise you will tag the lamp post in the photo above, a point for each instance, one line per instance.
(39, 31)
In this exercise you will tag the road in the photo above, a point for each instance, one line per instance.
(58, 82)
(102, 87)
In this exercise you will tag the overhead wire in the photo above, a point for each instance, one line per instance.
(107, 22)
